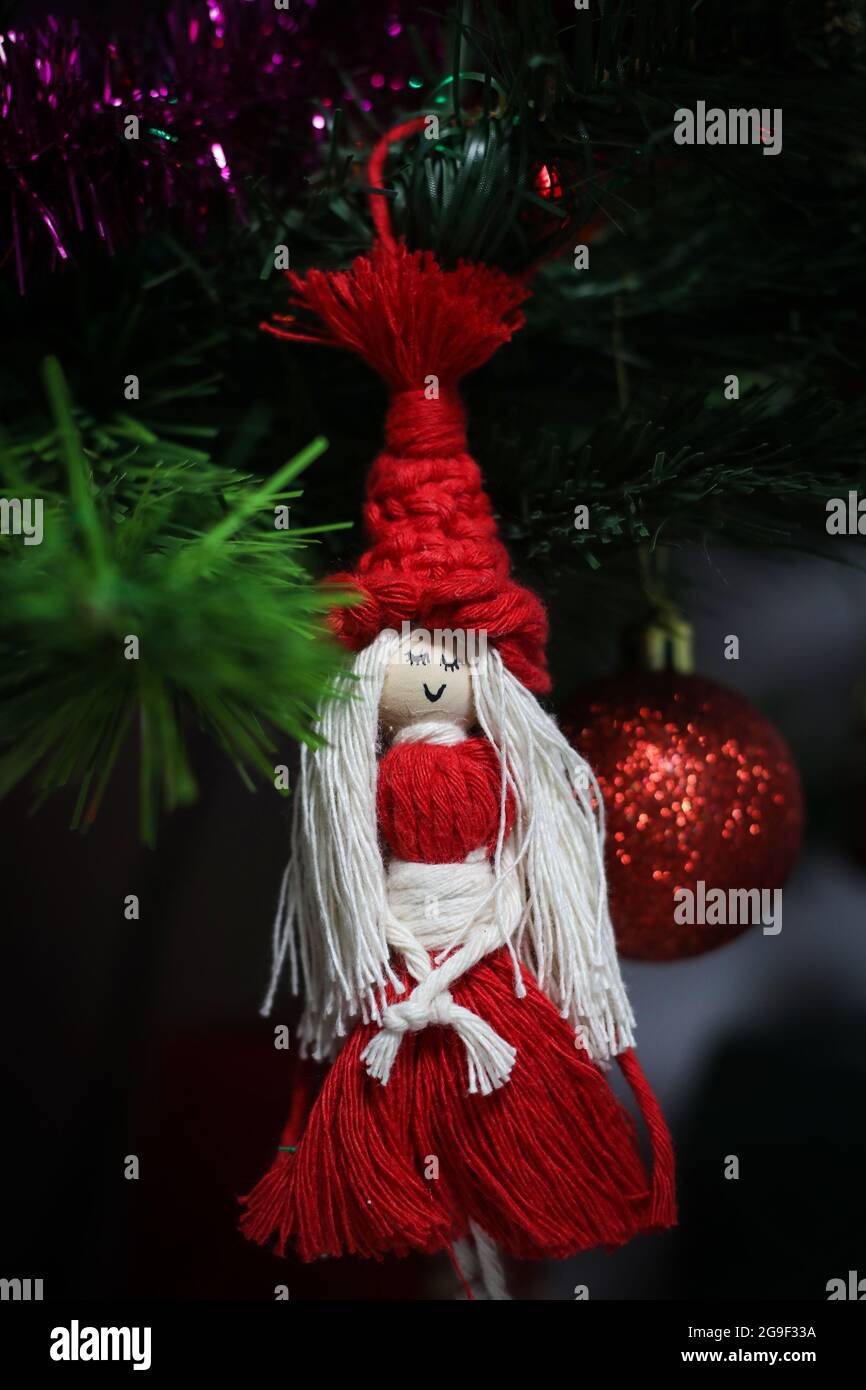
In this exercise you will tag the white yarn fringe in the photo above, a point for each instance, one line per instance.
(546, 898)
(489, 1058)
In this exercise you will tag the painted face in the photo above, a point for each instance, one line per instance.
(426, 682)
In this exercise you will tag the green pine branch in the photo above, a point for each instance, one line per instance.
(753, 471)
(161, 597)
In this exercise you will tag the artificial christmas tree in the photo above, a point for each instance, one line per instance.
(688, 378)
(546, 144)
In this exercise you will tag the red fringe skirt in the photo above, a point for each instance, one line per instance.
(547, 1165)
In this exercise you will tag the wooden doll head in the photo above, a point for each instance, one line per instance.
(426, 680)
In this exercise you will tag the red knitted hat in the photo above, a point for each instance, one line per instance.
(435, 557)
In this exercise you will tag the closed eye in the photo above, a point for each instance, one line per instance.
(422, 659)
(451, 665)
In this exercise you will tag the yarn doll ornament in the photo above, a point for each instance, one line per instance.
(444, 910)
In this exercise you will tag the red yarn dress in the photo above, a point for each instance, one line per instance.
(547, 1165)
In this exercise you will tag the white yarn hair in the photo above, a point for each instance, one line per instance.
(332, 915)
(331, 912)
(566, 937)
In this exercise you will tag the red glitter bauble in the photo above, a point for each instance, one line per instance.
(698, 787)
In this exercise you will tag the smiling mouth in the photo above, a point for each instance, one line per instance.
(434, 698)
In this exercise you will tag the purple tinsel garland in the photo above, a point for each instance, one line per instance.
(227, 95)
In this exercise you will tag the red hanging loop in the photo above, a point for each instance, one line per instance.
(376, 175)
(379, 210)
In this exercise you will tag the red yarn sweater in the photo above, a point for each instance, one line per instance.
(438, 802)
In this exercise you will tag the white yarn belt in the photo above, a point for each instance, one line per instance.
(432, 907)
